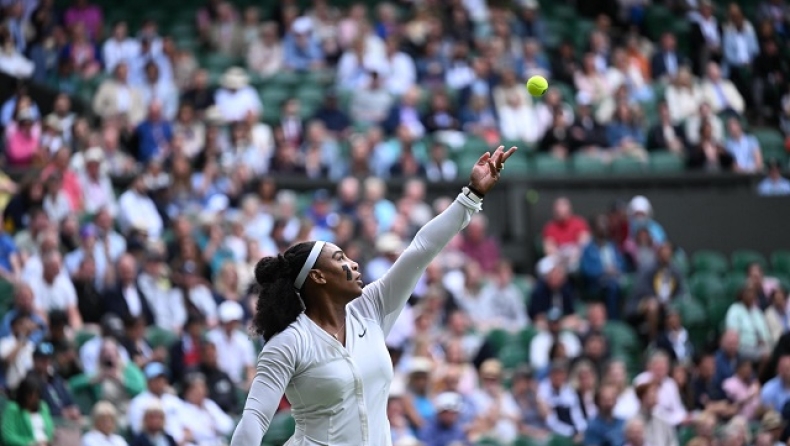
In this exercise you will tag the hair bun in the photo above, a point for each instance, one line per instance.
(271, 269)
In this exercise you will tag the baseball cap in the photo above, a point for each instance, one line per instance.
(230, 311)
(420, 365)
(155, 370)
(44, 350)
(448, 401)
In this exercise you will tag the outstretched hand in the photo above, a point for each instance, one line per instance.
(486, 172)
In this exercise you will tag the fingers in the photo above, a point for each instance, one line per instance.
(509, 153)
(493, 169)
(484, 159)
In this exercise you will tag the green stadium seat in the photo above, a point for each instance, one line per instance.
(717, 311)
(628, 166)
(707, 261)
(488, 442)
(517, 167)
(706, 287)
(733, 284)
(526, 335)
(588, 165)
(768, 138)
(780, 261)
(81, 337)
(475, 145)
(497, 339)
(159, 337)
(281, 428)
(513, 355)
(627, 284)
(665, 161)
(557, 440)
(622, 338)
(549, 165)
(742, 258)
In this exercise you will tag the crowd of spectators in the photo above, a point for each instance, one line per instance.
(130, 244)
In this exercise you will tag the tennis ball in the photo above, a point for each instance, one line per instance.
(537, 85)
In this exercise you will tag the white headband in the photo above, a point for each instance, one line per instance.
(308, 264)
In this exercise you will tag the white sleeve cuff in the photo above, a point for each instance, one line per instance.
(470, 203)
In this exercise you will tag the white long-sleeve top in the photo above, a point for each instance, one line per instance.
(338, 394)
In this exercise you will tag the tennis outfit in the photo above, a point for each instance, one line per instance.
(338, 394)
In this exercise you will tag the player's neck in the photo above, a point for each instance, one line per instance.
(326, 313)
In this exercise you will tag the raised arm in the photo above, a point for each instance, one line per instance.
(387, 296)
(276, 365)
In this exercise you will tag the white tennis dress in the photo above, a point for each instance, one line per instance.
(338, 394)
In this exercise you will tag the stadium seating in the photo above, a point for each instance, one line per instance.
(780, 262)
(741, 259)
(707, 261)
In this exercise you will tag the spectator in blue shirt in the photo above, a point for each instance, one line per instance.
(605, 429)
(776, 392)
(24, 304)
(727, 355)
(774, 184)
(744, 148)
(601, 266)
(10, 263)
(624, 132)
(301, 48)
(154, 134)
(445, 429)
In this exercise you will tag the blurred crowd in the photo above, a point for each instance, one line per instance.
(128, 244)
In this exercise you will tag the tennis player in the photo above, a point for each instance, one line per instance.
(325, 331)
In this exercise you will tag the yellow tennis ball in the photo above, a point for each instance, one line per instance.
(537, 85)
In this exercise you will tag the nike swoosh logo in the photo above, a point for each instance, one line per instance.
(362, 335)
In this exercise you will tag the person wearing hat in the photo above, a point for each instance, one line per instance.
(95, 182)
(774, 184)
(389, 246)
(640, 213)
(498, 413)
(565, 416)
(301, 48)
(236, 98)
(55, 389)
(321, 323)
(157, 393)
(418, 388)
(445, 428)
(236, 351)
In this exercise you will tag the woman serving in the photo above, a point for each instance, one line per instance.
(325, 332)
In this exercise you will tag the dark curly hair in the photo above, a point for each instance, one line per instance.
(278, 300)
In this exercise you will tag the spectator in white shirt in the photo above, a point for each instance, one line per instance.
(541, 344)
(740, 41)
(157, 392)
(16, 351)
(54, 291)
(684, 97)
(12, 62)
(236, 98)
(498, 412)
(165, 302)
(119, 47)
(694, 125)
(205, 420)
(371, 104)
(137, 210)
(512, 118)
(157, 88)
(234, 348)
(402, 73)
(503, 301)
(720, 93)
(97, 190)
(111, 328)
(670, 406)
(265, 55)
(565, 416)
(195, 294)
(104, 426)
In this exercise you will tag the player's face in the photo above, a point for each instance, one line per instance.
(338, 273)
